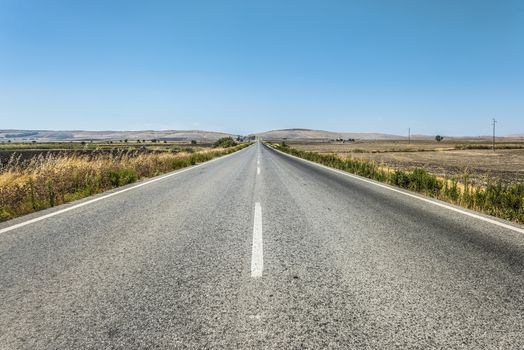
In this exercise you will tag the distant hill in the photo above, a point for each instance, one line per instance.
(321, 135)
(81, 135)
(200, 135)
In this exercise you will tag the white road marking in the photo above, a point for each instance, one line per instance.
(177, 172)
(258, 170)
(427, 200)
(257, 254)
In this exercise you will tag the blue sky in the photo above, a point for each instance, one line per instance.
(441, 66)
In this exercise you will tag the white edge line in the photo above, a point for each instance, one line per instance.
(427, 200)
(257, 254)
(91, 201)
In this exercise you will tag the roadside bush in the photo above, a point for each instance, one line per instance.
(421, 181)
(451, 191)
(125, 176)
(225, 142)
(400, 179)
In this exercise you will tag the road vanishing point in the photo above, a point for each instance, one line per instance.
(259, 249)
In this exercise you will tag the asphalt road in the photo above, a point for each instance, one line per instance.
(260, 250)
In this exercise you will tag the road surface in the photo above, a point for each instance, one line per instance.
(259, 250)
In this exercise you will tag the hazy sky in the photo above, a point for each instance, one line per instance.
(441, 66)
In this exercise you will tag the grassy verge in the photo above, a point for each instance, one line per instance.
(48, 181)
(505, 201)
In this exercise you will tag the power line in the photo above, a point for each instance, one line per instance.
(493, 143)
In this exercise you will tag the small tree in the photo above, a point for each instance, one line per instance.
(193, 142)
(439, 138)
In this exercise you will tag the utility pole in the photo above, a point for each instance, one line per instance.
(493, 143)
(409, 135)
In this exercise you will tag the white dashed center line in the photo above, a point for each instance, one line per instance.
(257, 255)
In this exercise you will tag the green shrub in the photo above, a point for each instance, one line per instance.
(400, 179)
(225, 142)
(113, 178)
(422, 181)
(127, 176)
(451, 191)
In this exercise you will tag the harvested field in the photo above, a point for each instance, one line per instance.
(481, 165)
(442, 159)
(23, 152)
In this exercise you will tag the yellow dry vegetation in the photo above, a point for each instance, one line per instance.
(46, 181)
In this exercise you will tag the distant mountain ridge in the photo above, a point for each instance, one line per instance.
(299, 134)
(82, 135)
(312, 135)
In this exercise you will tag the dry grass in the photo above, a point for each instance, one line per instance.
(46, 181)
